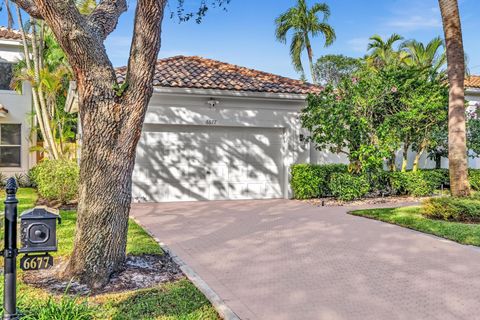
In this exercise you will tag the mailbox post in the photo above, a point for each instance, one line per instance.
(10, 252)
(39, 237)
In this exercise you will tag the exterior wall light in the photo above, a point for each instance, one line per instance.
(3, 111)
(212, 103)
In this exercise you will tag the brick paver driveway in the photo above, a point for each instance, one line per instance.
(279, 259)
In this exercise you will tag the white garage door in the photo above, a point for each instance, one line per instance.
(185, 163)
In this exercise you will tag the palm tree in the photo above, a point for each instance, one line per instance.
(6, 3)
(431, 55)
(457, 146)
(304, 22)
(382, 51)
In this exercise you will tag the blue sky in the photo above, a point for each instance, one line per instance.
(244, 34)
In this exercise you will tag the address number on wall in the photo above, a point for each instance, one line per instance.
(211, 121)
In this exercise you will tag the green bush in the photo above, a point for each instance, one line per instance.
(474, 178)
(452, 209)
(416, 183)
(311, 181)
(347, 187)
(56, 180)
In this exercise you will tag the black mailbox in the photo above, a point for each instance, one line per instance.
(39, 230)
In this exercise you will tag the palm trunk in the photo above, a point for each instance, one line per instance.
(310, 58)
(457, 147)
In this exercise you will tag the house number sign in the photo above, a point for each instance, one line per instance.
(211, 122)
(36, 262)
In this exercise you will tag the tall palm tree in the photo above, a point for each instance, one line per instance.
(431, 55)
(382, 51)
(304, 22)
(457, 145)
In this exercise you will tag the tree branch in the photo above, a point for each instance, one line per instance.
(104, 18)
(30, 7)
(145, 47)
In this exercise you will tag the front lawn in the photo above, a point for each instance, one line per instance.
(411, 217)
(178, 300)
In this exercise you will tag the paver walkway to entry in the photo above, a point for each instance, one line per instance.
(280, 259)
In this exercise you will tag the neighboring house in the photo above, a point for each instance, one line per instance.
(14, 110)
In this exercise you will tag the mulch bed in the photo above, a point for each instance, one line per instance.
(142, 271)
(332, 202)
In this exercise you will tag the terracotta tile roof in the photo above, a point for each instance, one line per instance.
(201, 73)
(472, 82)
(9, 34)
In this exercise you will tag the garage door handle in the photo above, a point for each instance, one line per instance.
(208, 172)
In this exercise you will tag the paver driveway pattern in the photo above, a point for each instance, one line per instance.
(280, 259)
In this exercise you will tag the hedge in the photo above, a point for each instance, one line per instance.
(347, 187)
(312, 181)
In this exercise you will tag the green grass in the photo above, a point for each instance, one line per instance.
(180, 300)
(411, 217)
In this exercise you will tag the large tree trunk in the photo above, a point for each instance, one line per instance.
(457, 146)
(111, 115)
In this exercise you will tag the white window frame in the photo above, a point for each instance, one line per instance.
(12, 145)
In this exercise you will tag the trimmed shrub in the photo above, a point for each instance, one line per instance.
(347, 187)
(452, 209)
(56, 180)
(311, 181)
(416, 183)
(474, 178)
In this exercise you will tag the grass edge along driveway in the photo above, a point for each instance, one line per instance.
(411, 217)
(172, 301)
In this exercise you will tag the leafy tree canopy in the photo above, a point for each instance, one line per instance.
(332, 68)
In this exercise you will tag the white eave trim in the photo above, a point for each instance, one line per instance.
(472, 91)
(230, 93)
(16, 43)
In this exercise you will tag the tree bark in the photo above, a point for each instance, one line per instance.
(111, 116)
(457, 146)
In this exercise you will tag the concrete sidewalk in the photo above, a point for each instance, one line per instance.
(280, 259)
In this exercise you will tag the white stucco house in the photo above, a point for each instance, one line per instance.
(212, 131)
(15, 140)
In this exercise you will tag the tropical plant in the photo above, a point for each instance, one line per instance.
(6, 4)
(304, 23)
(382, 52)
(457, 146)
(48, 73)
(431, 56)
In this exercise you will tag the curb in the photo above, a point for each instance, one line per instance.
(220, 306)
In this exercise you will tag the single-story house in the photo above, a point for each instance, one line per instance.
(212, 131)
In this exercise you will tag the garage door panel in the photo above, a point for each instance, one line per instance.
(184, 163)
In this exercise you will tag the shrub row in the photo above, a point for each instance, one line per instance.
(452, 209)
(312, 181)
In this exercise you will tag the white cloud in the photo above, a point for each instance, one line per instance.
(358, 44)
(409, 15)
(415, 22)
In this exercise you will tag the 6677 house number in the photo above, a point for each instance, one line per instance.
(211, 122)
(36, 262)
